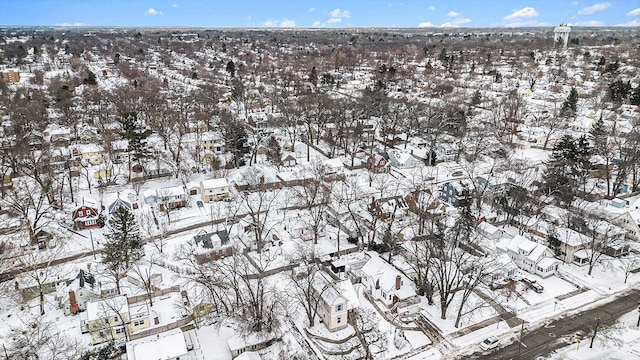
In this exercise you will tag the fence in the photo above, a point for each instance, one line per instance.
(143, 297)
(161, 329)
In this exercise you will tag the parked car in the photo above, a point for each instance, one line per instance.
(532, 283)
(490, 343)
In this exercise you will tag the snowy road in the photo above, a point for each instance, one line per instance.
(560, 332)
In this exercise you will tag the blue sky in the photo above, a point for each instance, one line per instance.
(320, 13)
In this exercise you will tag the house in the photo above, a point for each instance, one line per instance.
(119, 203)
(112, 318)
(384, 283)
(85, 216)
(214, 189)
(335, 300)
(530, 256)
(456, 193)
(490, 231)
(82, 289)
(565, 242)
(169, 345)
(446, 152)
(150, 196)
(252, 342)
(333, 167)
(11, 76)
(626, 215)
(401, 159)
(210, 246)
(212, 141)
(172, 197)
(506, 270)
(289, 161)
(91, 154)
(377, 163)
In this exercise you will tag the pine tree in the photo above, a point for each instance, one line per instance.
(570, 105)
(123, 246)
(136, 137)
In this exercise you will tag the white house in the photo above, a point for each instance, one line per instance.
(389, 286)
(530, 256)
(333, 166)
(401, 159)
(112, 318)
(214, 189)
(489, 231)
(336, 299)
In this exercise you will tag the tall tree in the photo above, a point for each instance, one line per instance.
(123, 245)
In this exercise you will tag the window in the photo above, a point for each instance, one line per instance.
(138, 322)
(119, 330)
(339, 320)
(116, 318)
(339, 307)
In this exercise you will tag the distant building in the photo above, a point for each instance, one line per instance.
(561, 34)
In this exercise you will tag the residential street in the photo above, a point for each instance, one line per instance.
(560, 332)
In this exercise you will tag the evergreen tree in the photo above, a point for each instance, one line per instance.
(135, 136)
(123, 246)
(231, 68)
(274, 151)
(570, 105)
(313, 76)
(567, 169)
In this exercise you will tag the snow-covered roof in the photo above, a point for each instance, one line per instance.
(214, 183)
(88, 202)
(171, 191)
(385, 275)
(167, 345)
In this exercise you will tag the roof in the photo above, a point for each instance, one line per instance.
(118, 203)
(207, 239)
(171, 191)
(334, 163)
(169, 345)
(385, 275)
(249, 355)
(547, 262)
(214, 183)
(399, 157)
(85, 278)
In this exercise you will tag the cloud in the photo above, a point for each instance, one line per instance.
(526, 12)
(425, 24)
(280, 23)
(575, 3)
(453, 14)
(334, 20)
(460, 21)
(71, 24)
(174, 5)
(317, 24)
(431, 8)
(449, 24)
(597, 7)
(312, 9)
(634, 12)
(152, 12)
(337, 13)
(590, 23)
(634, 22)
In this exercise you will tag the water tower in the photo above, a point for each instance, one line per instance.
(561, 34)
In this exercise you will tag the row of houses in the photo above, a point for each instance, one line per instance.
(86, 214)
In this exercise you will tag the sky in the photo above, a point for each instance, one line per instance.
(320, 13)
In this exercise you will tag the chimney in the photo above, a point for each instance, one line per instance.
(398, 281)
(73, 304)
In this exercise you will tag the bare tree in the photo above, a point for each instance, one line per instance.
(37, 338)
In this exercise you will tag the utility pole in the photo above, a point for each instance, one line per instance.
(638, 324)
(93, 249)
(520, 340)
